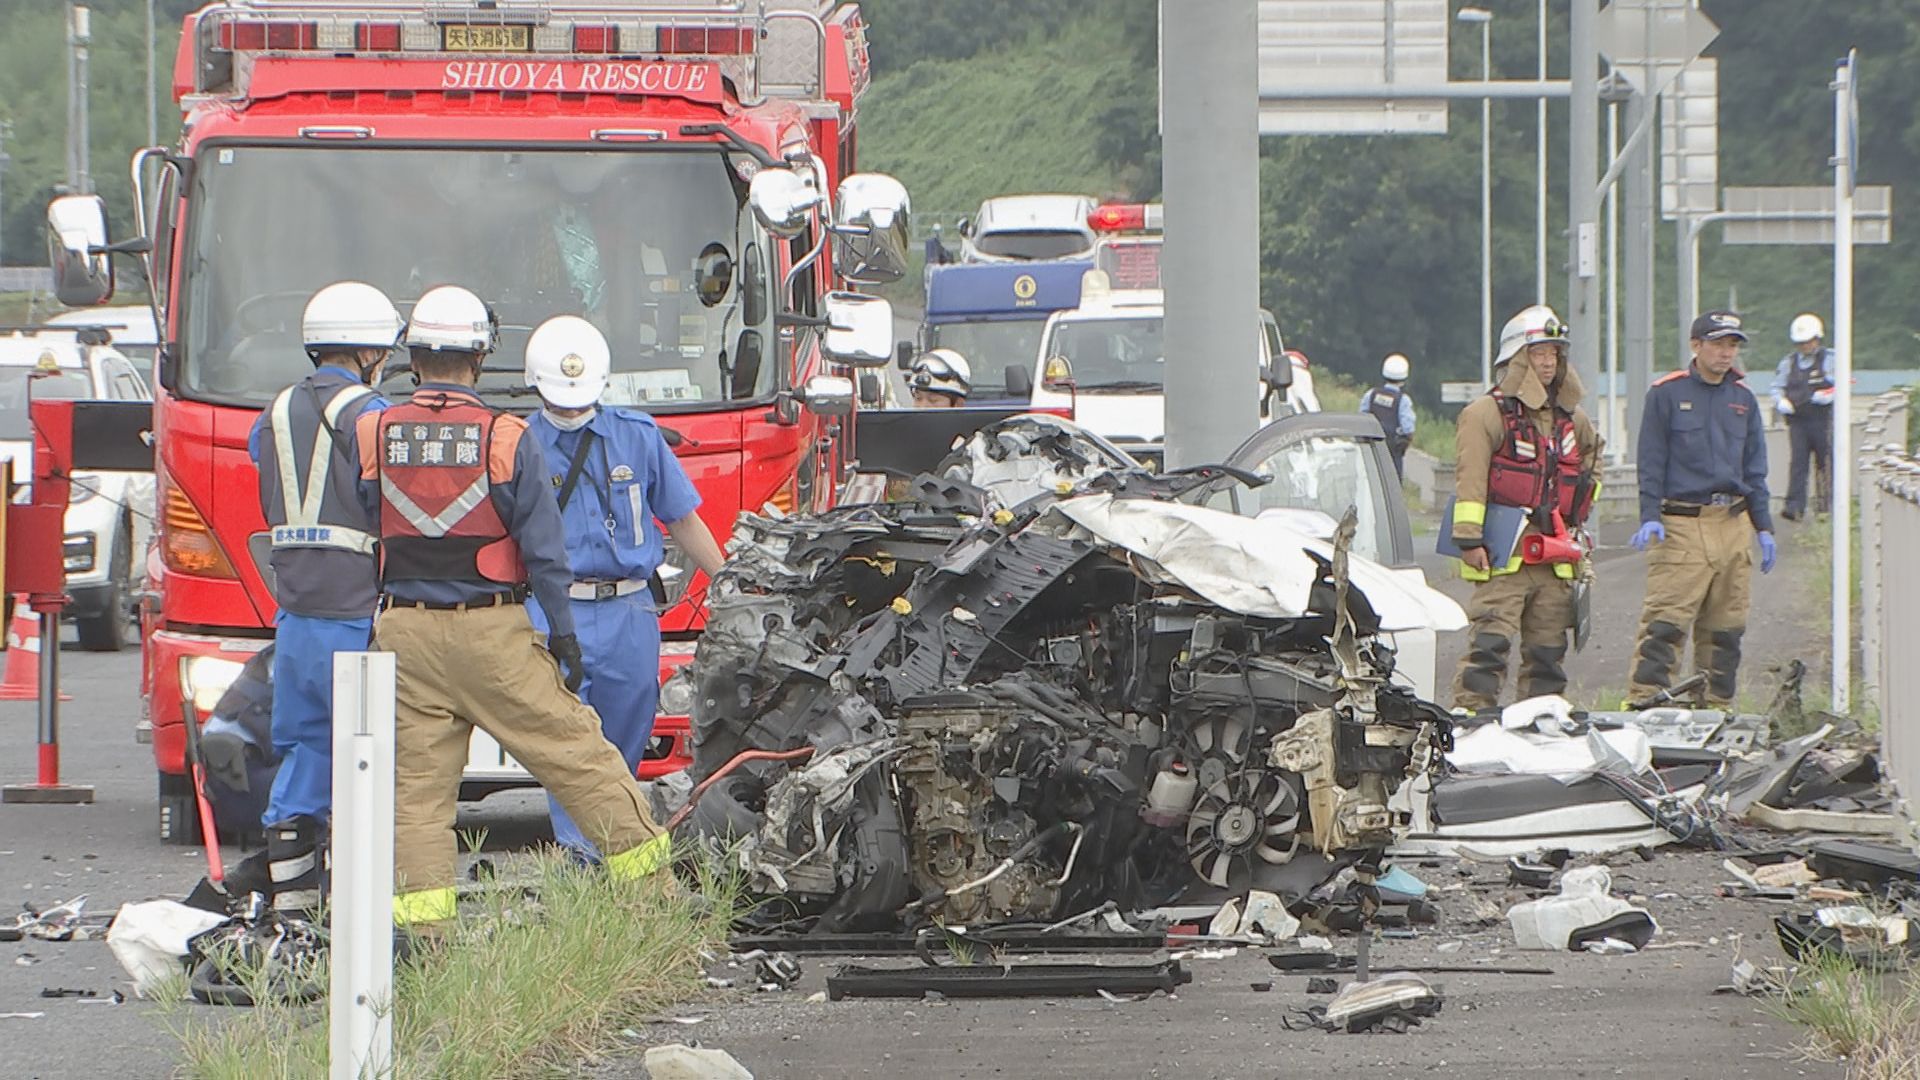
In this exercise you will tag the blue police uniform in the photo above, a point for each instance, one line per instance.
(324, 574)
(1701, 440)
(1806, 383)
(629, 481)
(1703, 480)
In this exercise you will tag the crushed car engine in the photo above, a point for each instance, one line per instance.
(1049, 682)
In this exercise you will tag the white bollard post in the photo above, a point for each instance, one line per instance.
(360, 1007)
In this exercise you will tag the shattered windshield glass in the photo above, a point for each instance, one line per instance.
(648, 245)
(1119, 354)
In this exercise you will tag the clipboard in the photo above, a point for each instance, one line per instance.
(1501, 531)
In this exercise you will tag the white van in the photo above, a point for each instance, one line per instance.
(1105, 361)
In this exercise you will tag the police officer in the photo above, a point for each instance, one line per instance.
(468, 524)
(614, 476)
(1703, 497)
(1528, 444)
(940, 379)
(1389, 404)
(1803, 394)
(323, 564)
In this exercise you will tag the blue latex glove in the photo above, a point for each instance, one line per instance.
(1651, 533)
(1768, 552)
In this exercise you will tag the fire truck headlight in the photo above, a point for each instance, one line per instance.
(205, 679)
(676, 695)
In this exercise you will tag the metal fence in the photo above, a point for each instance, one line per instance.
(1888, 483)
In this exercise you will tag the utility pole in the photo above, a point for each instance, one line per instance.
(1638, 271)
(6, 132)
(1583, 176)
(1846, 142)
(79, 133)
(153, 94)
(1210, 173)
(1540, 173)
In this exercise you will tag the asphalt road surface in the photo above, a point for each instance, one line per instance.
(1646, 1015)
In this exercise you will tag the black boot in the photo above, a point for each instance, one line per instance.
(296, 863)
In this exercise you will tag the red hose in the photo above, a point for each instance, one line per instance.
(738, 759)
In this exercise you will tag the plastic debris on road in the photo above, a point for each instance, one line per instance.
(678, 1061)
(1583, 915)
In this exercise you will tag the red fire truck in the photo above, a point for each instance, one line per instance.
(663, 169)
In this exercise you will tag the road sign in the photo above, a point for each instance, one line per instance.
(1305, 44)
(1872, 215)
(1690, 141)
(1459, 393)
(1650, 41)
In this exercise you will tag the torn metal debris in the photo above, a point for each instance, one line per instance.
(1047, 686)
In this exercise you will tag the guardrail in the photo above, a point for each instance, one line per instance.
(1888, 483)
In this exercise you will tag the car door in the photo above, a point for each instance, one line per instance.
(1327, 462)
(1320, 464)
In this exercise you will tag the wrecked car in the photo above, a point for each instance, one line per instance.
(1045, 684)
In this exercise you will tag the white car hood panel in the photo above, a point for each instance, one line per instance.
(1253, 566)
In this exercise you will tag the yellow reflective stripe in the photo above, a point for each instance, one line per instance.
(1469, 513)
(1563, 570)
(424, 906)
(650, 857)
(1468, 573)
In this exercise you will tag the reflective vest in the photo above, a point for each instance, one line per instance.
(1531, 472)
(437, 519)
(1803, 382)
(1384, 404)
(316, 513)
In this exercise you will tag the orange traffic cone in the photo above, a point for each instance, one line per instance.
(22, 681)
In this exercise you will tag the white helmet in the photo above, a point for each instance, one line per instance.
(1806, 328)
(1536, 323)
(1395, 368)
(942, 371)
(451, 318)
(568, 359)
(350, 315)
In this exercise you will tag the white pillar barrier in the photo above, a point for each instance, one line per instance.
(360, 1005)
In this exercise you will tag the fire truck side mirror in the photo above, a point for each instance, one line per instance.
(872, 228)
(76, 242)
(827, 395)
(782, 200)
(859, 329)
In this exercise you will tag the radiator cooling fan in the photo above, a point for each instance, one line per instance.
(1247, 820)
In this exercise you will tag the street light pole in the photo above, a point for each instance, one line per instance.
(153, 95)
(1484, 17)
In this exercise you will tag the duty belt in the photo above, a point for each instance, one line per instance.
(604, 590)
(500, 599)
(1735, 503)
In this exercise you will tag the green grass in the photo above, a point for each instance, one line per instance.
(516, 989)
(1869, 1021)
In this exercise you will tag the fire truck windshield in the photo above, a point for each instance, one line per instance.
(655, 246)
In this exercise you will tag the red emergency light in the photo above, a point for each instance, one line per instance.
(261, 36)
(1125, 217)
(705, 40)
(377, 37)
(596, 39)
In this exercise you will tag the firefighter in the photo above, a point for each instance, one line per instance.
(323, 564)
(468, 527)
(940, 379)
(1703, 504)
(1389, 404)
(614, 476)
(1803, 394)
(1526, 443)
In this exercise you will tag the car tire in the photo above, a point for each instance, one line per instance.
(179, 818)
(107, 630)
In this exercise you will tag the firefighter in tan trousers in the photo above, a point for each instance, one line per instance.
(1526, 444)
(468, 526)
(1703, 507)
